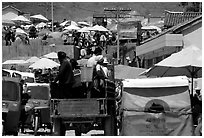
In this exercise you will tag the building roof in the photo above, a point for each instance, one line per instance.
(9, 6)
(174, 18)
(176, 27)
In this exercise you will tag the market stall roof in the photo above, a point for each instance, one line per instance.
(44, 63)
(20, 31)
(9, 62)
(84, 29)
(127, 72)
(32, 59)
(72, 27)
(21, 19)
(39, 17)
(99, 28)
(42, 24)
(52, 55)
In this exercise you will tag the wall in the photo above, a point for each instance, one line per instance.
(193, 37)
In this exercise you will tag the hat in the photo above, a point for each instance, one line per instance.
(105, 61)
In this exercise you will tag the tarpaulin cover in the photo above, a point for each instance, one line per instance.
(157, 111)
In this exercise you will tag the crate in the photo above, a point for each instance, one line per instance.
(86, 74)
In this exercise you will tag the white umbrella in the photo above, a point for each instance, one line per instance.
(44, 63)
(74, 23)
(84, 23)
(21, 19)
(32, 59)
(42, 24)
(64, 23)
(72, 27)
(52, 55)
(187, 62)
(39, 17)
(99, 28)
(20, 31)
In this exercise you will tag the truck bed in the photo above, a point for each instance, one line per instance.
(66, 108)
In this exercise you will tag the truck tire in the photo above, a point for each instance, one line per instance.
(109, 126)
(58, 128)
(77, 132)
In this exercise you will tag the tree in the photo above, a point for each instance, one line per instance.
(191, 6)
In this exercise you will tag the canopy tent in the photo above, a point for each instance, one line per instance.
(9, 62)
(72, 27)
(39, 17)
(40, 25)
(21, 20)
(84, 29)
(98, 28)
(64, 23)
(32, 59)
(127, 72)
(8, 23)
(44, 63)
(52, 55)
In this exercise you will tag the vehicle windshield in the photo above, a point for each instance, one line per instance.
(29, 80)
(10, 91)
(38, 92)
(6, 74)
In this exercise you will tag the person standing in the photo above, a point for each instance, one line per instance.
(65, 76)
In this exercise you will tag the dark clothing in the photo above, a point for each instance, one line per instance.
(66, 79)
(65, 75)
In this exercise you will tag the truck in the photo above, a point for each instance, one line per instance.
(85, 114)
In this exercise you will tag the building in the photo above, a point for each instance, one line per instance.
(9, 12)
(182, 29)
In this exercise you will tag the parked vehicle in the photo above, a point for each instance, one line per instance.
(39, 104)
(11, 105)
(27, 76)
(156, 107)
(85, 114)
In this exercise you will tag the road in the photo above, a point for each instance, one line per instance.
(43, 132)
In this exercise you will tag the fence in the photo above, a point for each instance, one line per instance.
(36, 48)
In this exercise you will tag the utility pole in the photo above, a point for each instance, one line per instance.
(52, 16)
(118, 11)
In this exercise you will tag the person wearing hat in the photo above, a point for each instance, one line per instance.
(65, 76)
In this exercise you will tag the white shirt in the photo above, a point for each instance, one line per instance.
(91, 61)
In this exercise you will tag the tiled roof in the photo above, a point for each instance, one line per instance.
(174, 18)
(11, 7)
(176, 27)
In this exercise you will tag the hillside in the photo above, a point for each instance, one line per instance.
(82, 10)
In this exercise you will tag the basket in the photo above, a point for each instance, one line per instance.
(86, 74)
